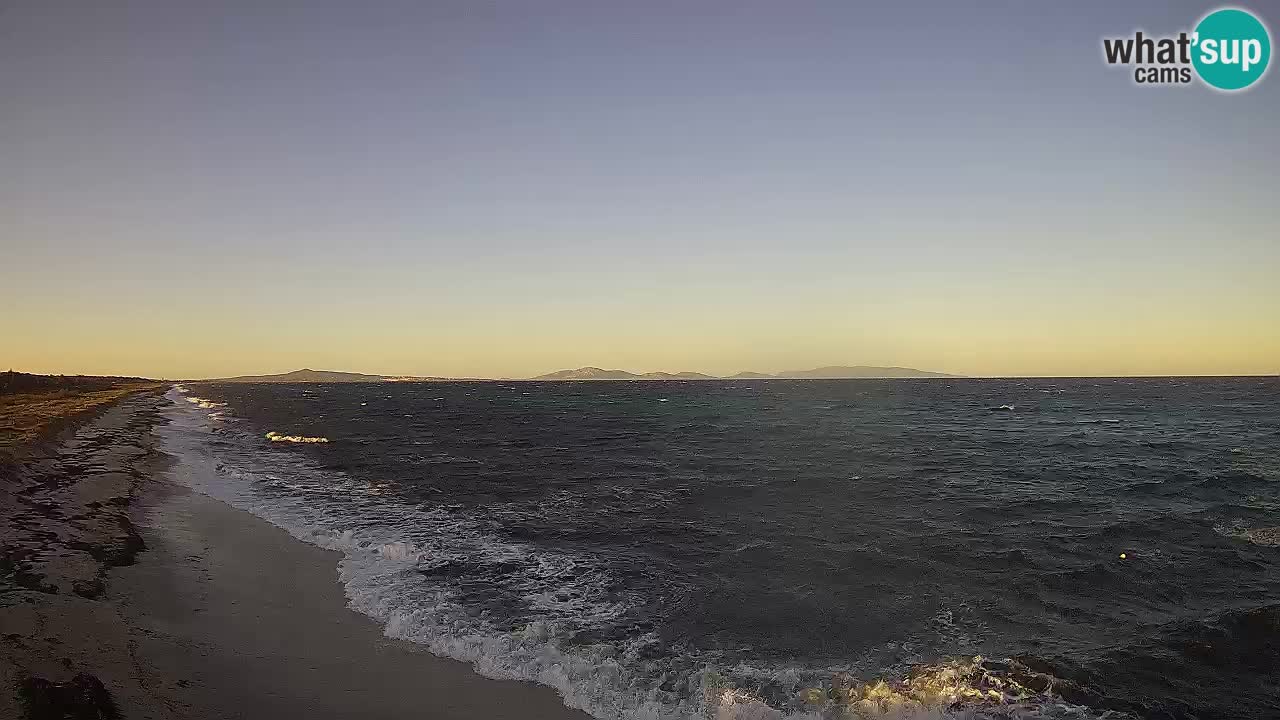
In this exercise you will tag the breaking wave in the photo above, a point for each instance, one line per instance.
(202, 403)
(274, 436)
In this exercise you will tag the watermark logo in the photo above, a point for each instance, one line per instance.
(1229, 50)
(1235, 49)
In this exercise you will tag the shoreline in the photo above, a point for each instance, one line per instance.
(212, 612)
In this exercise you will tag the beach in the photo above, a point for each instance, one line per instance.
(126, 594)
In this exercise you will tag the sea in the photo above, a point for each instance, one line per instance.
(755, 550)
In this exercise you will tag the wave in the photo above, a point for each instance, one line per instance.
(204, 404)
(399, 559)
(1236, 479)
(1177, 670)
(970, 688)
(274, 436)
(1247, 637)
(1265, 536)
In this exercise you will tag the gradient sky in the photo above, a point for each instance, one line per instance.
(508, 188)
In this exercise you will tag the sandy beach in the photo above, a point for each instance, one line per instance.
(128, 595)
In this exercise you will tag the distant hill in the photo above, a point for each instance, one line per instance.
(589, 373)
(595, 373)
(676, 376)
(849, 372)
(306, 375)
(832, 372)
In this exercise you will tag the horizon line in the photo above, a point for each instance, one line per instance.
(708, 377)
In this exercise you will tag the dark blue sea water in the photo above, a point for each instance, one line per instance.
(898, 548)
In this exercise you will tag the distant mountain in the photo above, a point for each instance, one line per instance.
(595, 373)
(833, 372)
(589, 373)
(851, 372)
(306, 375)
(676, 376)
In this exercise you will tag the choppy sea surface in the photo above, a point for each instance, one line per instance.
(1066, 548)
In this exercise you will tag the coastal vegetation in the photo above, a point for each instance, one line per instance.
(36, 407)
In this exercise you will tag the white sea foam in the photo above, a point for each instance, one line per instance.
(1266, 536)
(274, 436)
(387, 546)
(402, 551)
(204, 404)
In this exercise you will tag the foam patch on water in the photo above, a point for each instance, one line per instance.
(204, 404)
(274, 436)
(1265, 536)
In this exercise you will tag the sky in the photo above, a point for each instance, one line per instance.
(502, 189)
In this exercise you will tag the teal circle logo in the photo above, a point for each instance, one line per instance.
(1231, 49)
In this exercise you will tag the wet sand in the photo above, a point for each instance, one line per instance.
(250, 623)
(222, 615)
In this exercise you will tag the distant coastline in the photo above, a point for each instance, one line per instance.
(830, 372)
